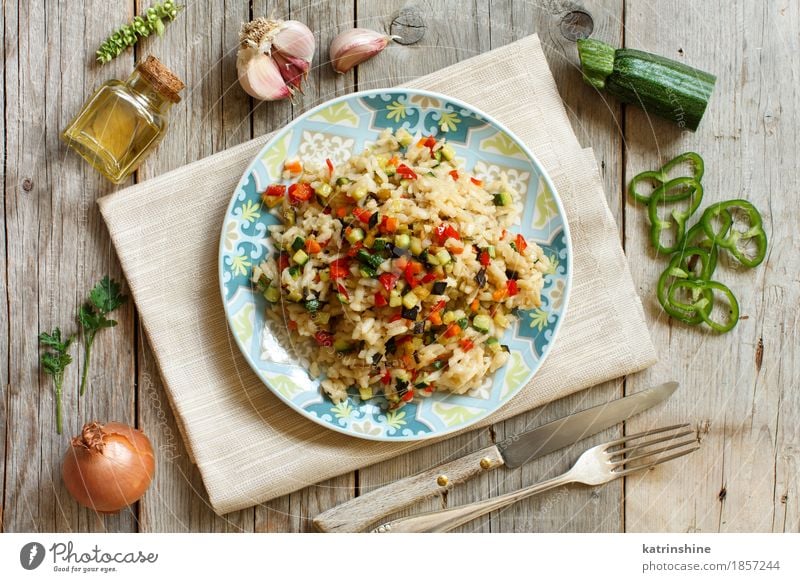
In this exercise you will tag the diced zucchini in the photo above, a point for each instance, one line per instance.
(342, 345)
(482, 322)
(272, 294)
(342, 298)
(359, 192)
(295, 295)
(395, 299)
(365, 393)
(404, 138)
(502, 199)
(298, 243)
(463, 323)
(263, 282)
(500, 319)
(322, 318)
(342, 181)
(442, 257)
(355, 235)
(379, 244)
(415, 246)
(402, 241)
(492, 252)
(300, 257)
(448, 153)
(294, 271)
(448, 317)
(289, 217)
(324, 190)
(325, 275)
(493, 345)
(367, 271)
(410, 300)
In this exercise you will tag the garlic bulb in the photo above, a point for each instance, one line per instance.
(355, 46)
(274, 57)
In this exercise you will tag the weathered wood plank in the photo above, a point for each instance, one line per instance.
(200, 47)
(738, 387)
(57, 247)
(294, 512)
(4, 337)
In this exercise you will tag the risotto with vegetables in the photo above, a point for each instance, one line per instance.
(397, 273)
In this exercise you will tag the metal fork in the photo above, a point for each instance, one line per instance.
(596, 466)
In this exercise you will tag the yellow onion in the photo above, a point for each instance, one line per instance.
(108, 466)
(274, 57)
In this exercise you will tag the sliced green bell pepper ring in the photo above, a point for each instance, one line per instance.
(672, 275)
(687, 259)
(729, 238)
(696, 237)
(661, 176)
(658, 225)
(704, 305)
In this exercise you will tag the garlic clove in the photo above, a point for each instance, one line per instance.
(294, 70)
(355, 46)
(294, 39)
(260, 76)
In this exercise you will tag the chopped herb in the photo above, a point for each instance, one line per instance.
(55, 362)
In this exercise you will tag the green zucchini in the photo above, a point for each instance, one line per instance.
(659, 85)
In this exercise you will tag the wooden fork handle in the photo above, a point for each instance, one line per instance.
(359, 513)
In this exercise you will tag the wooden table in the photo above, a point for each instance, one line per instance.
(741, 389)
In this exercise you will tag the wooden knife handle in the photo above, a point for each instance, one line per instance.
(359, 513)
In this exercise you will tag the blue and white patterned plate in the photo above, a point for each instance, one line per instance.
(337, 130)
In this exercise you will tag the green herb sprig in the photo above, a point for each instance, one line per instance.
(141, 26)
(55, 362)
(103, 299)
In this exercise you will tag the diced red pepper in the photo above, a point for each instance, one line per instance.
(292, 325)
(396, 317)
(439, 306)
(476, 181)
(484, 258)
(454, 174)
(400, 263)
(409, 275)
(406, 172)
(283, 261)
(408, 361)
(330, 166)
(340, 268)
(386, 379)
(408, 395)
(512, 287)
(466, 344)
(380, 300)
(326, 210)
(362, 214)
(429, 277)
(435, 318)
(275, 190)
(430, 142)
(354, 249)
(324, 338)
(388, 280)
(300, 192)
(445, 231)
(521, 243)
(342, 211)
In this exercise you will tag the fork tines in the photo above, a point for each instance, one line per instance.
(630, 457)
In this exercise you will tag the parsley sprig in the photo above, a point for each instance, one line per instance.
(103, 299)
(54, 363)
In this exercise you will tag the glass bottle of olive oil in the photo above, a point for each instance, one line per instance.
(123, 121)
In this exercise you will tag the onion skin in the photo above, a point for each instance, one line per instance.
(108, 467)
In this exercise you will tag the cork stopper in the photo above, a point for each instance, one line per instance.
(164, 81)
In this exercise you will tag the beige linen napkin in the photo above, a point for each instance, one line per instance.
(249, 446)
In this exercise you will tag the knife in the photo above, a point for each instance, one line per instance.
(359, 513)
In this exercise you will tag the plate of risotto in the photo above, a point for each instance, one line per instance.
(395, 265)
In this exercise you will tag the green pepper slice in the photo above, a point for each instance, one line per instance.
(658, 225)
(729, 238)
(661, 176)
(678, 270)
(704, 304)
(696, 238)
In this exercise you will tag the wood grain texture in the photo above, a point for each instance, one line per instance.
(739, 389)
